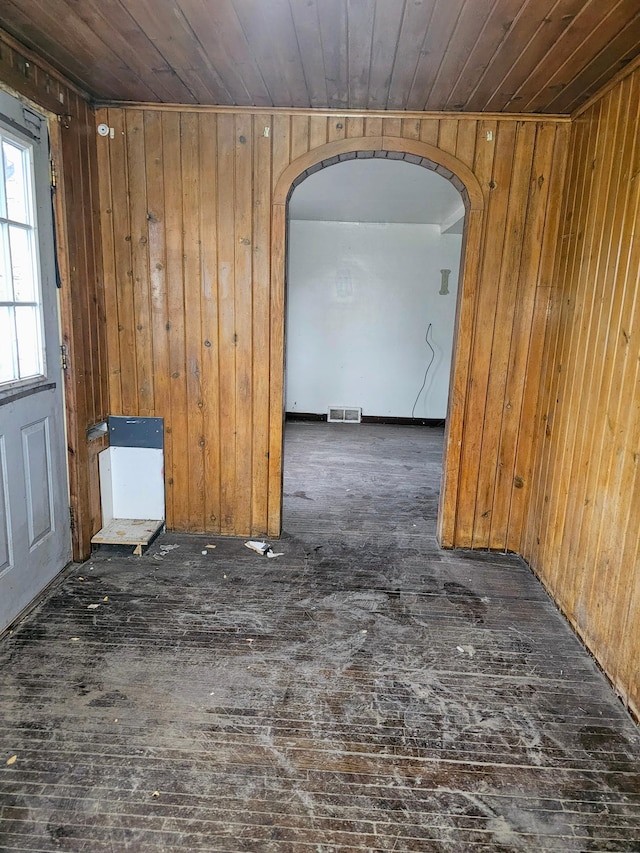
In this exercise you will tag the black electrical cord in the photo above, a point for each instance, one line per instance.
(426, 373)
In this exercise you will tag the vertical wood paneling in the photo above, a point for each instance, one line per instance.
(411, 129)
(123, 271)
(559, 310)
(337, 128)
(244, 238)
(88, 268)
(138, 275)
(93, 246)
(523, 354)
(525, 481)
(107, 230)
(373, 127)
(261, 309)
(76, 271)
(280, 159)
(582, 525)
(579, 362)
(202, 226)
(570, 351)
(317, 130)
(429, 131)
(518, 224)
(355, 128)
(83, 329)
(276, 374)
(157, 260)
(299, 135)
(448, 135)
(192, 278)
(494, 163)
(392, 126)
(466, 142)
(602, 269)
(210, 376)
(227, 322)
(177, 420)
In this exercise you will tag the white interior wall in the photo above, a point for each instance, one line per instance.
(360, 297)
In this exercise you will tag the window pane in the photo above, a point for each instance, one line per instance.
(6, 292)
(21, 344)
(24, 285)
(29, 342)
(8, 361)
(14, 175)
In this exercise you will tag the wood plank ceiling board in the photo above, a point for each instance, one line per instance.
(505, 18)
(332, 15)
(477, 22)
(442, 29)
(271, 35)
(415, 24)
(220, 33)
(307, 24)
(521, 47)
(63, 39)
(167, 27)
(361, 17)
(386, 31)
(512, 56)
(596, 73)
(580, 41)
(120, 32)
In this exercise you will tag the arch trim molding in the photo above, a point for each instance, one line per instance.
(445, 164)
(470, 189)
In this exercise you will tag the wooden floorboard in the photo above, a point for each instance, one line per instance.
(364, 691)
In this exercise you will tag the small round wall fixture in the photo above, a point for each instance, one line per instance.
(103, 129)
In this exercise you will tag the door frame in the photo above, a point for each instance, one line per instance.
(74, 431)
(459, 174)
(53, 375)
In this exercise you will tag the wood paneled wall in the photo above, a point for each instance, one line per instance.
(195, 306)
(583, 522)
(73, 135)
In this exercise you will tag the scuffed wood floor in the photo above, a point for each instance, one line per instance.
(365, 691)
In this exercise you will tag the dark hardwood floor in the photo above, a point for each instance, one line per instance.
(365, 691)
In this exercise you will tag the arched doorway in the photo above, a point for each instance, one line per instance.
(369, 320)
(462, 178)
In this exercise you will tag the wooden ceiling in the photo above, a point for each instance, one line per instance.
(472, 55)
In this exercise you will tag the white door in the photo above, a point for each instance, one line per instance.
(35, 536)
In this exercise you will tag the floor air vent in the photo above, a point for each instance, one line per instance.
(344, 415)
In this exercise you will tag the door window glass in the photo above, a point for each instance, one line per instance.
(21, 345)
